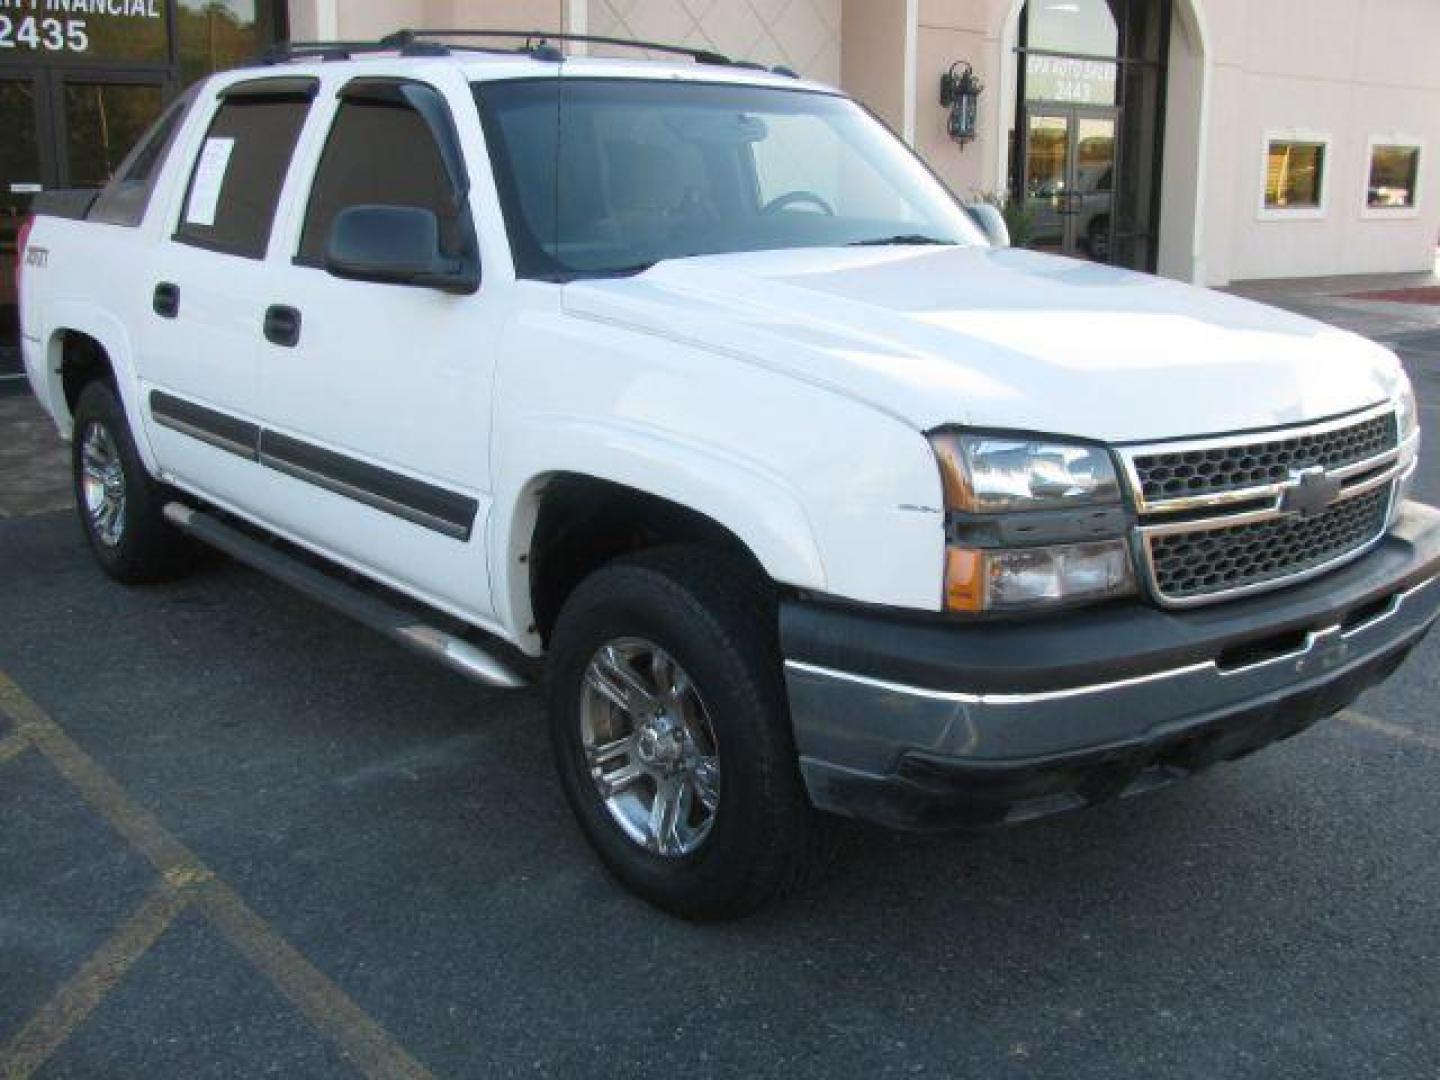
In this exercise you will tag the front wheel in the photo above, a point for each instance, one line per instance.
(672, 738)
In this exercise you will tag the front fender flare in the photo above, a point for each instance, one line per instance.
(757, 506)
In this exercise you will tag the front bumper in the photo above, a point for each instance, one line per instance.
(924, 723)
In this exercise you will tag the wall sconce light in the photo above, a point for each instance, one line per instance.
(960, 93)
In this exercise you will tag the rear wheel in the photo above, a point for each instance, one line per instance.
(671, 735)
(120, 506)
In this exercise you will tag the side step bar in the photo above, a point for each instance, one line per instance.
(392, 621)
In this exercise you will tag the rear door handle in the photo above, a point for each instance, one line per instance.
(282, 325)
(166, 300)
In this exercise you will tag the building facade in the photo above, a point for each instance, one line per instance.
(1206, 140)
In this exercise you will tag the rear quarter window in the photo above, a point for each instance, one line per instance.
(126, 197)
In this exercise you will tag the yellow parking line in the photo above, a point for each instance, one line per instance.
(360, 1039)
(137, 825)
(1395, 731)
(77, 999)
(13, 745)
(367, 1045)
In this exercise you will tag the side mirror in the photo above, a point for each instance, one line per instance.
(990, 222)
(396, 245)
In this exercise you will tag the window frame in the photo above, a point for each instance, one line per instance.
(1397, 141)
(338, 93)
(301, 90)
(1326, 142)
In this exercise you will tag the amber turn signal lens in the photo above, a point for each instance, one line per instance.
(964, 580)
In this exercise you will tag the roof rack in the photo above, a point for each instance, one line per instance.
(285, 51)
(538, 41)
(420, 42)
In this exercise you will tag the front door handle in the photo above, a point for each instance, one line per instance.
(282, 325)
(166, 300)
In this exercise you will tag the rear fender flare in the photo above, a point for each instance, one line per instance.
(66, 316)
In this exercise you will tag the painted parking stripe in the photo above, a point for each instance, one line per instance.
(1395, 731)
(359, 1038)
(43, 1034)
(13, 745)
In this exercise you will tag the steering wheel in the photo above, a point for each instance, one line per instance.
(790, 198)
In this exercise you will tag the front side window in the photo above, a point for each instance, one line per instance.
(1294, 174)
(609, 176)
(1394, 176)
(380, 152)
(235, 184)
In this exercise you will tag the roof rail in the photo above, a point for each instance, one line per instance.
(537, 42)
(285, 51)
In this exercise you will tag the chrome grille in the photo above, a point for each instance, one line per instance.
(1193, 472)
(1222, 517)
(1192, 564)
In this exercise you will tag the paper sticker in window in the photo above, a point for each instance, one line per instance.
(209, 179)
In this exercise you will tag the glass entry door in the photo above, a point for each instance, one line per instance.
(21, 176)
(1069, 180)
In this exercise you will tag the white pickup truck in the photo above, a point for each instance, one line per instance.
(690, 379)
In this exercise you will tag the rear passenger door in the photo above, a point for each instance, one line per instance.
(208, 285)
(378, 413)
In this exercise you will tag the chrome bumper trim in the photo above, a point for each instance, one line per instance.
(857, 722)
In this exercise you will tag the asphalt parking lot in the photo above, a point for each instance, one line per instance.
(240, 836)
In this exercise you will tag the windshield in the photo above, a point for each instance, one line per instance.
(610, 176)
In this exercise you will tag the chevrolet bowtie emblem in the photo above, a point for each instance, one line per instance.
(1309, 492)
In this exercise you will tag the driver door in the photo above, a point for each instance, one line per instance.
(377, 396)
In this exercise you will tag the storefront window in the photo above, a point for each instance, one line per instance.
(210, 34)
(217, 34)
(1073, 26)
(1394, 171)
(102, 122)
(1294, 175)
(1088, 28)
(125, 30)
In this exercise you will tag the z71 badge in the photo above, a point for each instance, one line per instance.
(37, 257)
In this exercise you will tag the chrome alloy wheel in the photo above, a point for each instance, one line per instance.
(103, 483)
(650, 747)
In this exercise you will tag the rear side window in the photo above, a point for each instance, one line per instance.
(125, 198)
(141, 166)
(235, 183)
(379, 153)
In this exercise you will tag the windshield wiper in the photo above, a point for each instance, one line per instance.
(901, 239)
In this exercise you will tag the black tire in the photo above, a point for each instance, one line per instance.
(718, 623)
(146, 547)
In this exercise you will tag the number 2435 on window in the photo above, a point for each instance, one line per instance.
(53, 35)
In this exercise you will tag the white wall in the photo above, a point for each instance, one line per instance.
(368, 19)
(801, 34)
(1348, 68)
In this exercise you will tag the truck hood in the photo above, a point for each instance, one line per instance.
(994, 338)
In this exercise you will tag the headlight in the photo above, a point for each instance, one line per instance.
(1407, 416)
(1406, 412)
(988, 473)
(1005, 497)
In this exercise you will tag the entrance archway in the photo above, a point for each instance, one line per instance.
(1103, 129)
